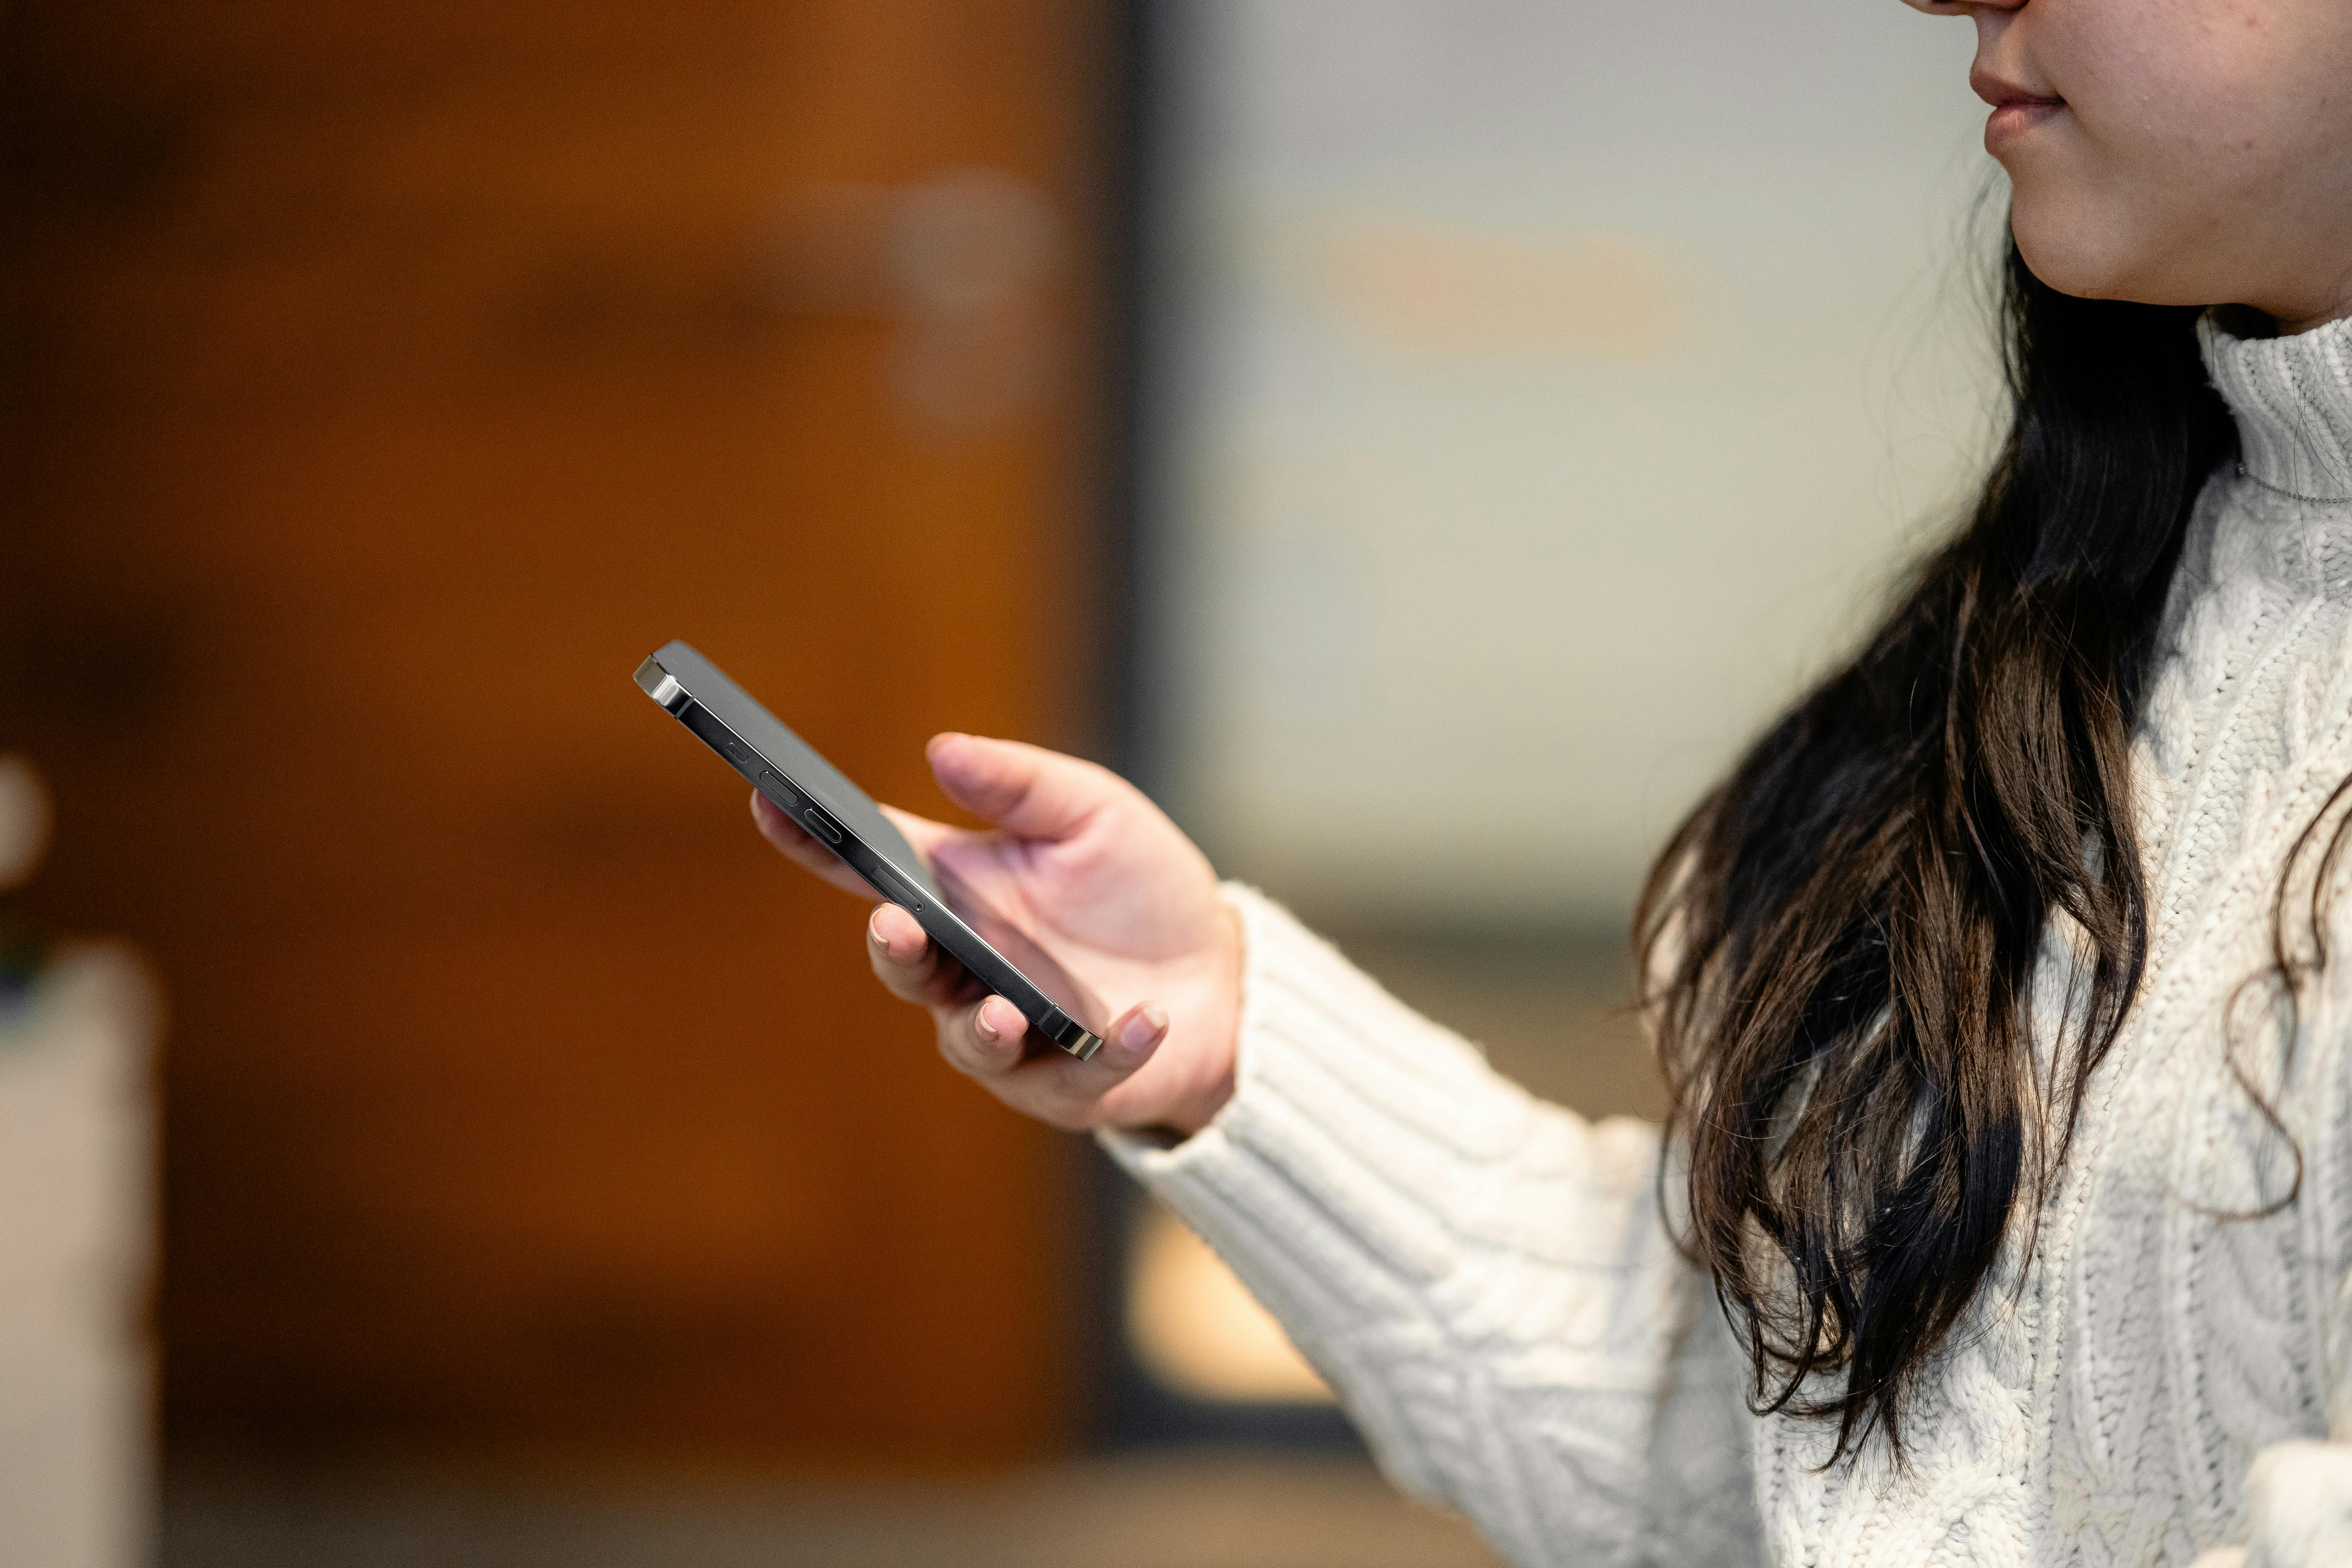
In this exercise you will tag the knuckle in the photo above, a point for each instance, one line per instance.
(1067, 1109)
(905, 980)
(960, 1043)
(953, 1053)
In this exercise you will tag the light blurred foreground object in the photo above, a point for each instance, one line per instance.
(1197, 1330)
(77, 1223)
(23, 820)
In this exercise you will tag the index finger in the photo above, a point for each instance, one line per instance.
(911, 965)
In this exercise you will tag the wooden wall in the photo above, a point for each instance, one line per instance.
(383, 383)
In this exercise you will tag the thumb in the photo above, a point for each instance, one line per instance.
(1026, 790)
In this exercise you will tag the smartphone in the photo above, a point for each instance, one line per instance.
(839, 816)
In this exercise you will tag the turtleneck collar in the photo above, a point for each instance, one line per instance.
(2293, 400)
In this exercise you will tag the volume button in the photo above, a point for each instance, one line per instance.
(822, 825)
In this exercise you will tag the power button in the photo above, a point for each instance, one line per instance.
(822, 825)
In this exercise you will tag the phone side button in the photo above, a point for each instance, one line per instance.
(822, 825)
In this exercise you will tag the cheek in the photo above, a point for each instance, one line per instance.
(2174, 129)
(2167, 93)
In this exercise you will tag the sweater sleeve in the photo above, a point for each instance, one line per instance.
(1483, 1278)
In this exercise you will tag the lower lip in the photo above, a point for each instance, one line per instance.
(2012, 121)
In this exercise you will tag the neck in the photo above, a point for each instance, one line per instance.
(2290, 328)
(2332, 303)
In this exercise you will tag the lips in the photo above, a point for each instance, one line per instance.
(2007, 121)
(2002, 93)
(2015, 108)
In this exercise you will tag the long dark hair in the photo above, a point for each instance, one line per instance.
(1841, 937)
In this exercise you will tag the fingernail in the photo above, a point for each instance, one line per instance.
(979, 1023)
(1146, 1026)
(875, 927)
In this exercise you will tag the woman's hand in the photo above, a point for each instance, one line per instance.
(1098, 876)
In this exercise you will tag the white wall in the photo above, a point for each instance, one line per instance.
(1542, 387)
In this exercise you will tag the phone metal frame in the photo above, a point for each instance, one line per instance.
(699, 695)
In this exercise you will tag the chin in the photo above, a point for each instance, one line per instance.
(2079, 255)
(2062, 248)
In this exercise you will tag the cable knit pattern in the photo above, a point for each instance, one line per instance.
(2163, 1377)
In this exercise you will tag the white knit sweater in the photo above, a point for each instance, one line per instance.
(1486, 1280)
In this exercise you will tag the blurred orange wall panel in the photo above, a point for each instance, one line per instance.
(385, 382)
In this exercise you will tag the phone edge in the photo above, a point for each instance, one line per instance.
(1066, 1034)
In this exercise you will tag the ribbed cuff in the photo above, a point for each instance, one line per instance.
(1343, 1095)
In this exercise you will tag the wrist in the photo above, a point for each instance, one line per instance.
(1219, 1048)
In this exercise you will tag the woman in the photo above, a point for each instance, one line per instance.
(2007, 1194)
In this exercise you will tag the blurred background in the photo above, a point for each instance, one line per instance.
(1418, 441)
